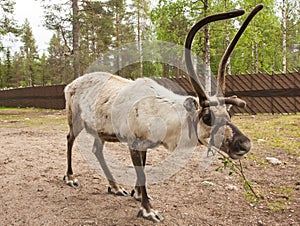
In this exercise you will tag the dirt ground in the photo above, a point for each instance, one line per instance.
(32, 190)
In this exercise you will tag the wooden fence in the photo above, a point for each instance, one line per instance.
(263, 93)
(40, 97)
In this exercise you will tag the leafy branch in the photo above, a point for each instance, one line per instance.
(236, 168)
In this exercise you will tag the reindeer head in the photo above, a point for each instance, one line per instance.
(212, 114)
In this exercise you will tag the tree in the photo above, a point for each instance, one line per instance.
(123, 34)
(171, 25)
(206, 51)
(284, 30)
(96, 35)
(8, 27)
(1, 74)
(18, 70)
(290, 25)
(43, 75)
(7, 22)
(61, 17)
(30, 52)
(140, 16)
(58, 65)
(8, 78)
(76, 36)
(259, 47)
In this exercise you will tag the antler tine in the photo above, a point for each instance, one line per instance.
(194, 79)
(221, 70)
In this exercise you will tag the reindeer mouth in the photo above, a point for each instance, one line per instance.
(243, 148)
(236, 155)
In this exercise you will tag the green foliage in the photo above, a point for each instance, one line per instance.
(105, 25)
(250, 194)
(170, 20)
(7, 22)
(30, 53)
(226, 164)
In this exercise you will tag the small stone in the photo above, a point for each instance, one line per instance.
(231, 187)
(208, 183)
(260, 223)
(273, 160)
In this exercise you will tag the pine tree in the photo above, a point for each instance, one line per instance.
(7, 22)
(58, 65)
(18, 70)
(64, 17)
(8, 78)
(30, 52)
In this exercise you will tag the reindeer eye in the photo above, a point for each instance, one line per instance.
(208, 117)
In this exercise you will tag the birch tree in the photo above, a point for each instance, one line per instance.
(141, 16)
(284, 22)
(290, 27)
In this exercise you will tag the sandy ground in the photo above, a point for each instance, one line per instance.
(32, 190)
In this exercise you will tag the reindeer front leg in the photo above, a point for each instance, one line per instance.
(146, 211)
(136, 192)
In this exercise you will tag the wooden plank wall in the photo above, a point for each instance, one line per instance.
(264, 93)
(51, 97)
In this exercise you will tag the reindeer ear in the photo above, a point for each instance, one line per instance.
(191, 104)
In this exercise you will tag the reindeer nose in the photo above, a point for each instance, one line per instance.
(244, 145)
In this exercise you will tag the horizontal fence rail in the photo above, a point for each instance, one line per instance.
(264, 93)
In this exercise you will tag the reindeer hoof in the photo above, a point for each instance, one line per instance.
(153, 215)
(119, 192)
(71, 182)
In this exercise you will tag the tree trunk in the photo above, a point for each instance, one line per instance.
(253, 57)
(140, 42)
(117, 21)
(207, 69)
(284, 28)
(76, 54)
(227, 39)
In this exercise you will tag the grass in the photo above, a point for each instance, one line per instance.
(32, 118)
(283, 195)
(273, 132)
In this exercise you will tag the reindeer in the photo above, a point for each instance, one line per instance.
(91, 99)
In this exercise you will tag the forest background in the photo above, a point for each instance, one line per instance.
(85, 30)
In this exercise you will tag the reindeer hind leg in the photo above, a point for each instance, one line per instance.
(114, 187)
(69, 176)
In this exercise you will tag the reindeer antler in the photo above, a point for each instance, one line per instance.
(194, 79)
(221, 70)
